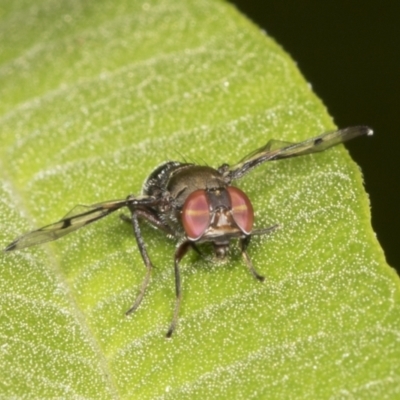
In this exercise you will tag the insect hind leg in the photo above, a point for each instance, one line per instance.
(153, 219)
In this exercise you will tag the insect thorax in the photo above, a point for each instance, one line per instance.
(179, 180)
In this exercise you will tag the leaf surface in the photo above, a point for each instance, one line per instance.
(94, 96)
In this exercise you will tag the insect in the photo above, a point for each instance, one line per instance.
(193, 204)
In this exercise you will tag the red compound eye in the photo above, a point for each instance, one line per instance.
(196, 214)
(242, 210)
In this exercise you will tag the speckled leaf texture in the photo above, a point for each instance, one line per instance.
(94, 95)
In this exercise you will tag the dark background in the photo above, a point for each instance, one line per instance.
(350, 53)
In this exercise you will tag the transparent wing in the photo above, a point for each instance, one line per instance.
(277, 150)
(78, 217)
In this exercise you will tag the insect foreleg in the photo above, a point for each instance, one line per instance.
(179, 254)
(146, 259)
(243, 246)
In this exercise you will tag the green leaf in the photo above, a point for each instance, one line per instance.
(94, 96)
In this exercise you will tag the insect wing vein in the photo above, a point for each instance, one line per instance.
(271, 151)
(68, 224)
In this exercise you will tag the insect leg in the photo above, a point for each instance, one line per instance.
(243, 246)
(265, 231)
(153, 219)
(277, 150)
(179, 253)
(162, 226)
(142, 248)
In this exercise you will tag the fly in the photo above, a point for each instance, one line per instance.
(193, 204)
